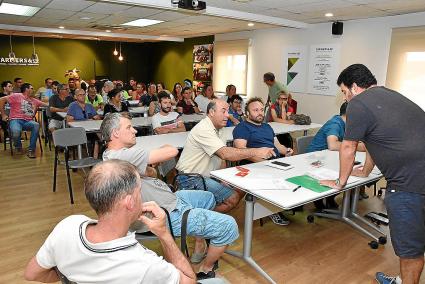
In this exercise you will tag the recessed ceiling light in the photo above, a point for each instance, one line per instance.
(250, 24)
(85, 18)
(329, 15)
(108, 31)
(61, 27)
(142, 23)
(20, 10)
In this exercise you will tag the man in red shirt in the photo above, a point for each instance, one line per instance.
(23, 108)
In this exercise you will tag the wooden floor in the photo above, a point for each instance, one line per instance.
(324, 252)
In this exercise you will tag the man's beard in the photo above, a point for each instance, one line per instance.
(166, 110)
(258, 119)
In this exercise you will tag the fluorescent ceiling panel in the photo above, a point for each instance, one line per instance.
(20, 10)
(142, 23)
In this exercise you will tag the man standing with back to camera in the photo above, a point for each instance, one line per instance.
(393, 130)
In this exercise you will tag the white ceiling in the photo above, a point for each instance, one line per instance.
(221, 16)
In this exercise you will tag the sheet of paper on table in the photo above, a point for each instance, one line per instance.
(323, 173)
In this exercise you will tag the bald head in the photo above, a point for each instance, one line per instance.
(108, 182)
(218, 112)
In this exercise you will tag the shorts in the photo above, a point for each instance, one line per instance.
(221, 192)
(56, 124)
(406, 213)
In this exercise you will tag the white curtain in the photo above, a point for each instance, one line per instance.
(230, 65)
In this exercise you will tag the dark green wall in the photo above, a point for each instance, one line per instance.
(174, 60)
(169, 62)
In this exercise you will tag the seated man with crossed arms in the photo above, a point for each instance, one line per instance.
(202, 223)
(103, 251)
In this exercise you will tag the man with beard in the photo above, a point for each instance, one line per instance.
(206, 150)
(166, 121)
(253, 133)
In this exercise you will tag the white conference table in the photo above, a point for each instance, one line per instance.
(137, 122)
(178, 140)
(268, 184)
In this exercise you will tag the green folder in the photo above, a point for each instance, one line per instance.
(309, 183)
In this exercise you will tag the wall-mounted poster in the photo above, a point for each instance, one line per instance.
(203, 62)
(295, 68)
(324, 65)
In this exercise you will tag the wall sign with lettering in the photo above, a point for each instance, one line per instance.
(19, 61)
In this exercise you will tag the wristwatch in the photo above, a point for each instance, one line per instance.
(337, 183)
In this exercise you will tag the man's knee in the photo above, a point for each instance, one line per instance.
(228, 231)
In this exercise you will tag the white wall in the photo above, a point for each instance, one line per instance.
(364, 41)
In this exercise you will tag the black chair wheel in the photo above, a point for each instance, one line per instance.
(382, 240)
(373, 244)
(310, 218)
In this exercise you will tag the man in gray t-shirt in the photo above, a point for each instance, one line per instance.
(220, 229)
(392, 129)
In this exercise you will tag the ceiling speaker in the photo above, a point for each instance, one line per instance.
(337, 28)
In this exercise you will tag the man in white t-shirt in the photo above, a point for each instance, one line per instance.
(166, 121)
(103, 251)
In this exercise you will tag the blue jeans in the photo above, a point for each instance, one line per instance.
(16, 127)
(220, 229)
(220, 191)
(406, 213)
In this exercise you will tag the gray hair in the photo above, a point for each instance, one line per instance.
(108, 83)
(110, 123)
(108, 182)
(212, 105)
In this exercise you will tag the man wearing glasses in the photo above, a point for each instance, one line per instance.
(22, 111)
(79, 110)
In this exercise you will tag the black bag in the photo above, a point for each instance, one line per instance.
(300, 119)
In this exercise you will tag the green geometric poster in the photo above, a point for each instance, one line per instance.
(291, 62)
(290, 77)
(295, 67)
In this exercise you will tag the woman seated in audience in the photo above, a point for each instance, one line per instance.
(280, 110)
(206, 96)
(160, 86)
(230, 92)
(187, 105)
(94, 98)
(177, 92)
(114, 103)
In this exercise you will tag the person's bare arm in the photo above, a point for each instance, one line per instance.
(97, 117)
(347, 155)
(162, 154)
(172, 253)
(151, 109)
(333, 143)
(234, 120)
(281, 120)
(161, 130)
(180, 128)
(3, 101)
(366, 169)
(234, 154)
(180, 109)
(69, 118)
(241, 144)
(34, 272)
(56, 109)
(282, 149)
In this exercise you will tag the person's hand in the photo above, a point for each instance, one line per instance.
(154, 218)
(265, 153)
(358, 172)
(289, 152)
(331, 184)
(4, 117)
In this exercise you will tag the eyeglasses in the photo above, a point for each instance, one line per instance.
(284, 99)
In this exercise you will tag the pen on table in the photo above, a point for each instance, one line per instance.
(295, 189)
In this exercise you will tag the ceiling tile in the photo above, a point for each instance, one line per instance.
(106, 8)
(34, 3)
(54, 13)
(12, 19)
(74, 5)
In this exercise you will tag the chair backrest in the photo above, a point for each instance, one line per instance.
(69, 137)
(267, 115)
(303, 143)
(63, 278)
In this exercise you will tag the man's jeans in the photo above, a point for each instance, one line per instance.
(16, 127)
